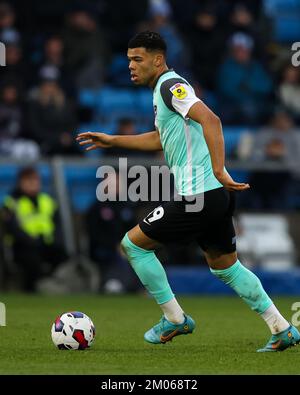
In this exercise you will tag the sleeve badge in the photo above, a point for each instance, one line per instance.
(178, 91)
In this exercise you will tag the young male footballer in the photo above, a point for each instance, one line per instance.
(191, 137)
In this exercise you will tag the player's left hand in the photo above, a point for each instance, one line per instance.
(226, 180)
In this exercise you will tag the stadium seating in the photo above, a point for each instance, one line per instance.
(287, 28)
(118, 70)
(144, 102)
(266, 241)
(88, 98)
(111, 102)
(232, 135)
(285, 15)
(81, 183)
(275, 7)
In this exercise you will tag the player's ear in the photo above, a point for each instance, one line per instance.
(159, 59)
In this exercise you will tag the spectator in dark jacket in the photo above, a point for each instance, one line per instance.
(13, 141)
(243, 84)
(207, 43)
(52, 119)
(160, 21)
(53, 65)
(86, 49)
(106, 222)
(278, 144)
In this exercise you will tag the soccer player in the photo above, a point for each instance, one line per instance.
(190, 135)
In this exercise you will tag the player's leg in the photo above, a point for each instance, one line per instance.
(228, 268)
(139, 249)
(218, 242)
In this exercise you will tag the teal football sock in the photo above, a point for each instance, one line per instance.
(149, 270)
(247, 285)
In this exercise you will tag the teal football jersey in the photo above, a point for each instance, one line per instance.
(182, 139)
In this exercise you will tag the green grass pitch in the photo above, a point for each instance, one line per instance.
(224, 342)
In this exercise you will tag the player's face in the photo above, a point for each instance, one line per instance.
(142, 65)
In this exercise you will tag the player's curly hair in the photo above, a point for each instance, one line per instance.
(152, 41)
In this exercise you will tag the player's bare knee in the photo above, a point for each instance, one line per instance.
(219, 260)
(213, 255)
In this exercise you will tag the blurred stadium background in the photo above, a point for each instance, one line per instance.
(67, 71)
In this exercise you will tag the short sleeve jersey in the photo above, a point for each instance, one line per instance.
(182, 139)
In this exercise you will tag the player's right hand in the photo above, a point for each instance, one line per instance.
(97, 140)
(226, 180)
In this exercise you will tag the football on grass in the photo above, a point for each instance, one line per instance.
(73, 331)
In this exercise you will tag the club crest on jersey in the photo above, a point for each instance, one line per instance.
(178, 91)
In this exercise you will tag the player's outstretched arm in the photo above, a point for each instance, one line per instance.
(142, 142)
(213, 134)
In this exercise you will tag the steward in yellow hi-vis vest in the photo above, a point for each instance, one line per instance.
(31, 229)
(35, 217)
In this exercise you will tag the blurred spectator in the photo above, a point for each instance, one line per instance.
(86, 49)
(160, 21)
(32, 229)
(52, 119)
(121, 25)
(12, 141)
(54, 52)
(289, 90)
(242, 19)
(126, 127)
(16, 70)
(279, 144)
(244, 86)
(52, 65)
(8, 32)
(10, 113)
(107, 222)
(207, 42)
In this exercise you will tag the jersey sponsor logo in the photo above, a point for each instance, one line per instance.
(178, 91)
